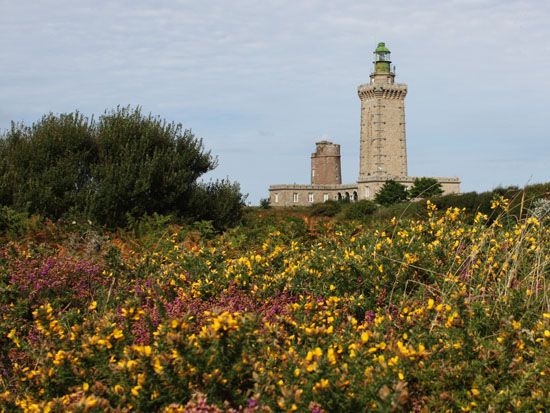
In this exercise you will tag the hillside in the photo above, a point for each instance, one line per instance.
(447, 311)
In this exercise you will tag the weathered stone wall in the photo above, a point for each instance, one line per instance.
(304, 195)
(325, 164)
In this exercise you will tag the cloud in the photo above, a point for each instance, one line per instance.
(262, 80)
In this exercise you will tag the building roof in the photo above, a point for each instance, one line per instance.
(381, 48)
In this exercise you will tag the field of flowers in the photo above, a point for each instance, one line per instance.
(441, 313)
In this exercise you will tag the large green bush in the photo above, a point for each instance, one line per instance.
(124, 164)
(45, 168)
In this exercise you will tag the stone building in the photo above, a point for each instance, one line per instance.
(382, 149)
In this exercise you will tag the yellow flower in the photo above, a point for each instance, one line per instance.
(118, 334)
(331, 356)
(92, 306)
(135, 390)
(157, 366)
(317, 352)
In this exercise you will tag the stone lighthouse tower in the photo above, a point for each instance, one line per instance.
(383, 148)
(383, 151)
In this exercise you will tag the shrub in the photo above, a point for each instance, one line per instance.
(391, 192)
(145, 165)
(425, 188)
(540, 209)
(326, 209)
(220, 202)
(45, 168)
(124, 165)
(358, 210)
(13, 223)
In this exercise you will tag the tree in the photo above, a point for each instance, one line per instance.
(45, 167)
(145, 165)
(219, 201)
(123, 165)
(265, 203)
(425, 188)
(391, 192)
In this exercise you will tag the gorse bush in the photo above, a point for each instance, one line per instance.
(124, 164)
(439, 313)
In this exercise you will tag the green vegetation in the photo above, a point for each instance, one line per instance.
(425, 188)
(440, 311)
(391, 192)
(123, 165)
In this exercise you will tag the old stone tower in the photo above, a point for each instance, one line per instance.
(325, 164)
(382, 147)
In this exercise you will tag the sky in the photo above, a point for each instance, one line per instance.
(261, 81)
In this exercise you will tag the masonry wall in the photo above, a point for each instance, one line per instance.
(368, 189)
(304, 195)
(383, 151)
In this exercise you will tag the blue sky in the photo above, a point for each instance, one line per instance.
(262, 81)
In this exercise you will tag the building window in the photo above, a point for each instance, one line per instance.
(310, 197)
(367, 192)
(325, 197)
(276, 198)
(313, 173)
(295, 197)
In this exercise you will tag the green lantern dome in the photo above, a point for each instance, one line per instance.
(381, 48)
(382, 58)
